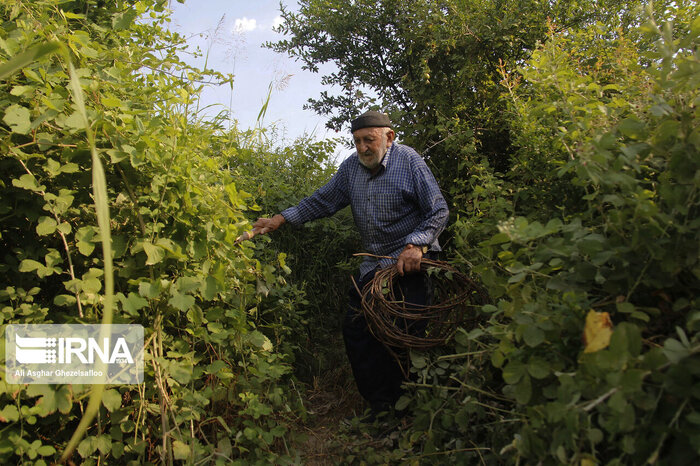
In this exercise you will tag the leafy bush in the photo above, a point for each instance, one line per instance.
(598, 214)
(215, 373)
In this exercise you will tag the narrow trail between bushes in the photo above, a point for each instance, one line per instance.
(330, 399)
(330, 435)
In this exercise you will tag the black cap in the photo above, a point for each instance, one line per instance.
(370, 119)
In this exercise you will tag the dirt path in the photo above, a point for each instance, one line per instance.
(330, 437)
(331, 399)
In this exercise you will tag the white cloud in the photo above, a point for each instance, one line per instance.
(244, 24)
(277, 21)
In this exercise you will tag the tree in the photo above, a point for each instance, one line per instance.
(432, 65)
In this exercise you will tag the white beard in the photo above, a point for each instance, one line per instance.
(375, 161)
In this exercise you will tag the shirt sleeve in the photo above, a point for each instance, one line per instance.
(324, 202)
(432, 205)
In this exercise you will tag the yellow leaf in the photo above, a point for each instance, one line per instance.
(588, 462)
(596, 335)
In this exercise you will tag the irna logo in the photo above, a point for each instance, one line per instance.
(42, 350)
(72, 353)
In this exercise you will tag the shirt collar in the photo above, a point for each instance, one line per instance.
(386, 156)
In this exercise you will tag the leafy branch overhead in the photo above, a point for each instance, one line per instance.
(434, 66)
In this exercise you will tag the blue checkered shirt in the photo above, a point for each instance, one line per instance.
(401, 204)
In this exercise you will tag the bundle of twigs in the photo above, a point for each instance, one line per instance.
(455, 302)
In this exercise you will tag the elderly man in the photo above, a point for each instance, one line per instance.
(399, 212)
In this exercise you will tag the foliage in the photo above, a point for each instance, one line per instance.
(619, 146)
(598, 211)
(318, 253)
(215, 372)
(432, 65)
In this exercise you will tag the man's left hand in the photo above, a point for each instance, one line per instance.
(409, 259)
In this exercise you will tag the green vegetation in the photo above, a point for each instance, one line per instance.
(565, 135)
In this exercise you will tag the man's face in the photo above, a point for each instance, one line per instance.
(372, 144)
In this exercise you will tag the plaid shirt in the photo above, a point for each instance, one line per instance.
(401, 204)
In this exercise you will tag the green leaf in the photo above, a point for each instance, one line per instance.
(64, 300)
(91, 285)
(47, 404)
(181, 301)
(133, 303)
(46, 226)
(513, 372)
(70, 168)
(633, 128)
(46, 450)
(533, 335)
(87, 446)
(127, 425)
(216, 366)
(626, 339)
(418, 360)
(111, 101)
(523, 390)
(9, 413)
(84, 238)
(667, 130)
(695, 26)
(403, 402)
(489, 308)
(154, 252)
(64, 399)
(187, 284)
(74, 120)
(210, 288)
(675, 351)
(117, 450)
(28, 181)
(27, 57)
(21, 90)
(17, 118)
(104, 443)
(617, 402)
(180, 450)
(149, 290)
(63, 202)
(52, 167)
(64, 228)
(631, 380)
(595, 435)
(538, 368)
(112, 400)
(30, 265)
(124, 20)
(180, 371)
(625, 307)
(259, 340)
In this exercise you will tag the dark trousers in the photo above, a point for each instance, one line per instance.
(377, 374)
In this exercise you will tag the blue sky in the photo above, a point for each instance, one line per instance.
(235, 47)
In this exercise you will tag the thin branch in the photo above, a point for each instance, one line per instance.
(600, 399)
(171, 74)
(133, 199)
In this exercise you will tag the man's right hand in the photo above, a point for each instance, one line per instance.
(266, 225)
